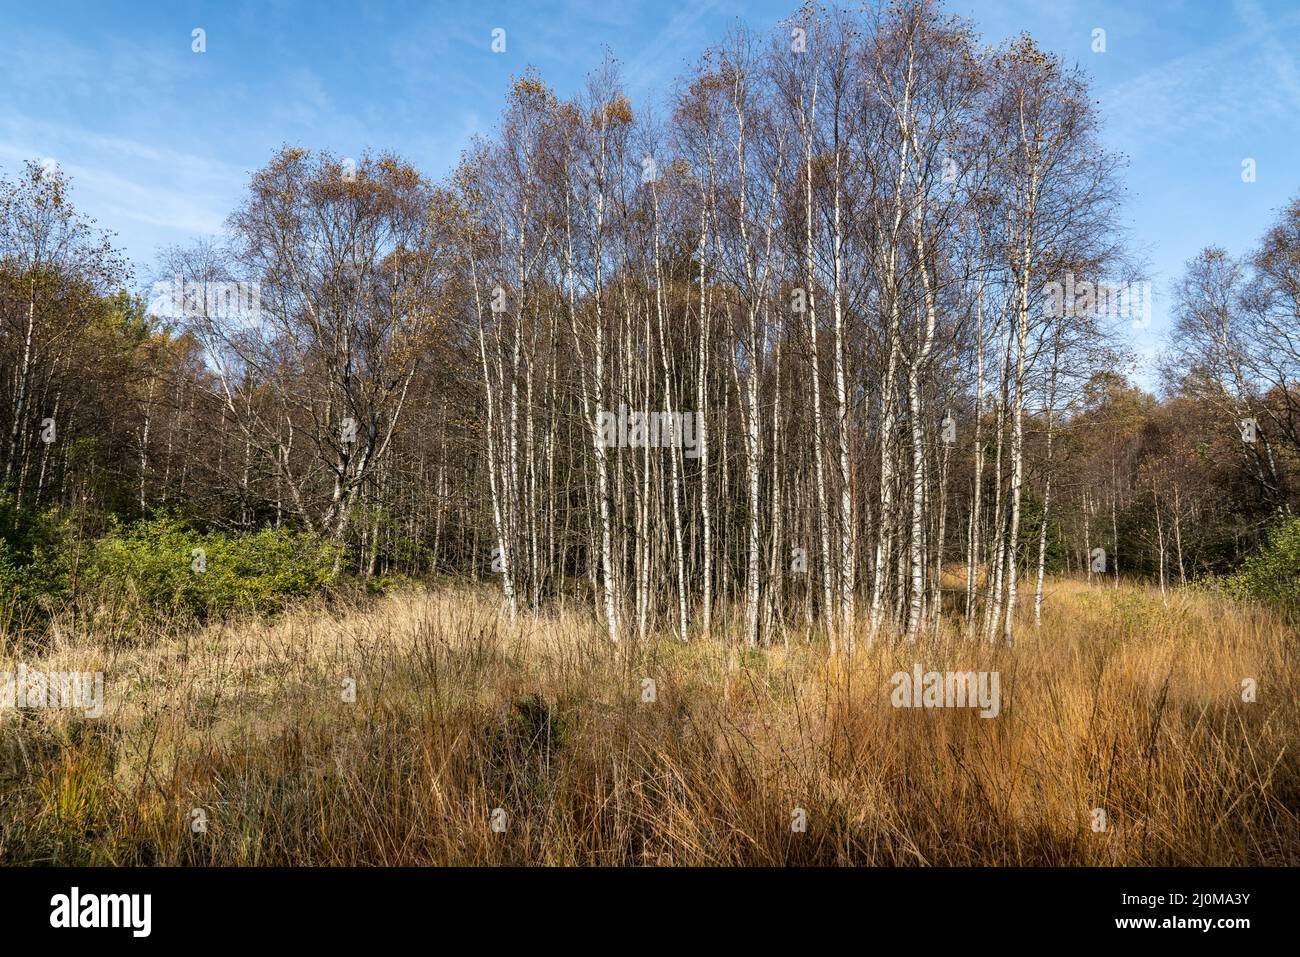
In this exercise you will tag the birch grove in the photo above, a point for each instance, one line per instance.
(775, 297)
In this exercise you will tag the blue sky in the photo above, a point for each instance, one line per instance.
(160, 141)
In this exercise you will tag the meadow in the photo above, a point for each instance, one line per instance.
(423, 727)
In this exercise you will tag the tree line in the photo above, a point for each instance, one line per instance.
(830, 342)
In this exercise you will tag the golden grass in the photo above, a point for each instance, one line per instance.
(1123, 701)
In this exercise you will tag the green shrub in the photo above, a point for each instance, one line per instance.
(169, 567)
(1273, 573)
(34, 560)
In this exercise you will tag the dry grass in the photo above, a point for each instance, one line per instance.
(1122, 701)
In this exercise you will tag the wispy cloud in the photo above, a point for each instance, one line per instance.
(125, 180)
(1211, 91)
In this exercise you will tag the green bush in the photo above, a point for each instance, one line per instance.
(169, 567)
(34, 560)
(1273, 573)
